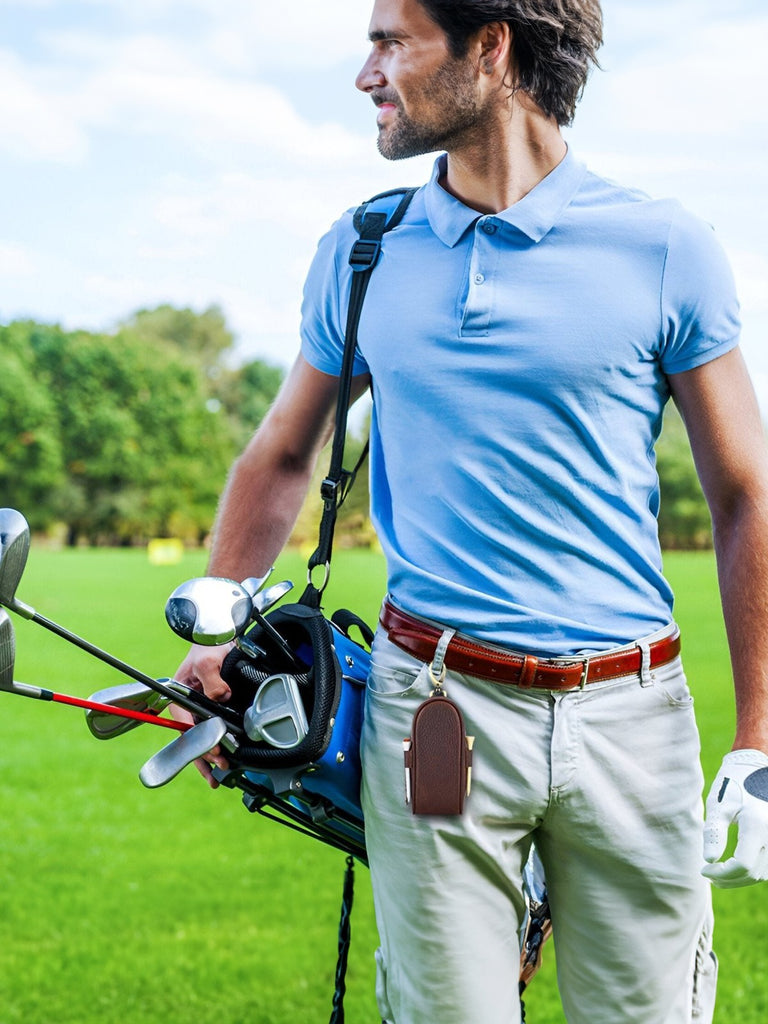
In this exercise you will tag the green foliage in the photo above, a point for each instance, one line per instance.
(120, 437)
(245, 395)
(201, 337)
(684, 521)
(31, 458)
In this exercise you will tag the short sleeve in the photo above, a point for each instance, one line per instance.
(326, 300)
(699, 307)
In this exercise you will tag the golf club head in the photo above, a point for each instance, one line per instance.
(7, 651)
(277, 714)
(168, 762)
(266, 599)
(253, 584)
(14, 548)
(209, 610)
(130, 696)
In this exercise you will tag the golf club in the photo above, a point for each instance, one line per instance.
(168, 762)
(266, 599)
(128, 696)
(7, 651)
(7, 683)
(211, 610)
(277, 714)
(14, 547)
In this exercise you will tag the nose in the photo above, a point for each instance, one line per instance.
(370, 76)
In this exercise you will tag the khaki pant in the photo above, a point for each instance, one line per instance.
(606, 781)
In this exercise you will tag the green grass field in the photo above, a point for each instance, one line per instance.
(119, 904)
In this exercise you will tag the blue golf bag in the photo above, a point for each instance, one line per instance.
(312, 783)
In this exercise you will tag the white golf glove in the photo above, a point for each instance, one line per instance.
(738, 795)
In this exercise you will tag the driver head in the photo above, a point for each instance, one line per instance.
(209, 610)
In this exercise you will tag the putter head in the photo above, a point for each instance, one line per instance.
(277, 715)
(14, 548)
(209, 610)
(168, 762)
(7, 651)
(131, 696)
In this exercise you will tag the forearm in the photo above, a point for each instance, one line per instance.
(741, 545)
(256, 514)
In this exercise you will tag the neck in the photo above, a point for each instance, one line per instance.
(515, 152)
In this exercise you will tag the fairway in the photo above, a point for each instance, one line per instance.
(176, 906)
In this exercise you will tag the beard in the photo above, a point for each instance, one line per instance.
(451, 114)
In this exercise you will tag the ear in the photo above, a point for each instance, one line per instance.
(493, 47)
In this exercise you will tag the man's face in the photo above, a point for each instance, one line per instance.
(427, 99)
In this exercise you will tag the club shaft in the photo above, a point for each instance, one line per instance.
(40, 693)
(197, 704)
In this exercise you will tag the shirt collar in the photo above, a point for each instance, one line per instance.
(535, 214)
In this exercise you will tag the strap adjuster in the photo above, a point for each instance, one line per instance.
(364, 254)
(329, 489)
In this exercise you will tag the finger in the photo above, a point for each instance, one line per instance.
(207, 663)
(181, 714)
(731, 874)
(205, 770)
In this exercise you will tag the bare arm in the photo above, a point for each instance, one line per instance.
(261, 501)
(720, 411)
(268, 483)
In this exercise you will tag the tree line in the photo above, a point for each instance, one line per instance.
(115, 438)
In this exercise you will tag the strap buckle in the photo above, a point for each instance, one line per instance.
(364, 254)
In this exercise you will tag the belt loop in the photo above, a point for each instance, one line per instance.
(437, 668)
(584, 674)
(646, 676)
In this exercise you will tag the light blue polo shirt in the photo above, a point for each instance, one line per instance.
(519, 365)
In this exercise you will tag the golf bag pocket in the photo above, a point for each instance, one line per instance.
(438, 758)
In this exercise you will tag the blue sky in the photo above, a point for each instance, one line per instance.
(192, 151)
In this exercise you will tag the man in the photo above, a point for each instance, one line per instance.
(522, 332)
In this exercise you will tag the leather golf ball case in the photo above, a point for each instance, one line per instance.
(438, 758)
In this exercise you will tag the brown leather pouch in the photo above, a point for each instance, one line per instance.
(438, 758)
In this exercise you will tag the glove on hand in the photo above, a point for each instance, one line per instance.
(738, 794)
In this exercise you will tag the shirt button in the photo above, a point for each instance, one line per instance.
(489, 228)
(479, 278)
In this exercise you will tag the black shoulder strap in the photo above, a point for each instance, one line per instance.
(364, 255)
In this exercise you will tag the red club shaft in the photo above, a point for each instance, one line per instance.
(139, 716)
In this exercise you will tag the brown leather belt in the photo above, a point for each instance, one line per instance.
(472, 658)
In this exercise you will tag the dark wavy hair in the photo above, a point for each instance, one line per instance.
(555, 43)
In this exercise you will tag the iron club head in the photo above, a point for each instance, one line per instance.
(130, 696)
(209, 610)
(266, 599)
(7, 651)
(168, 762)
(14, 548)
